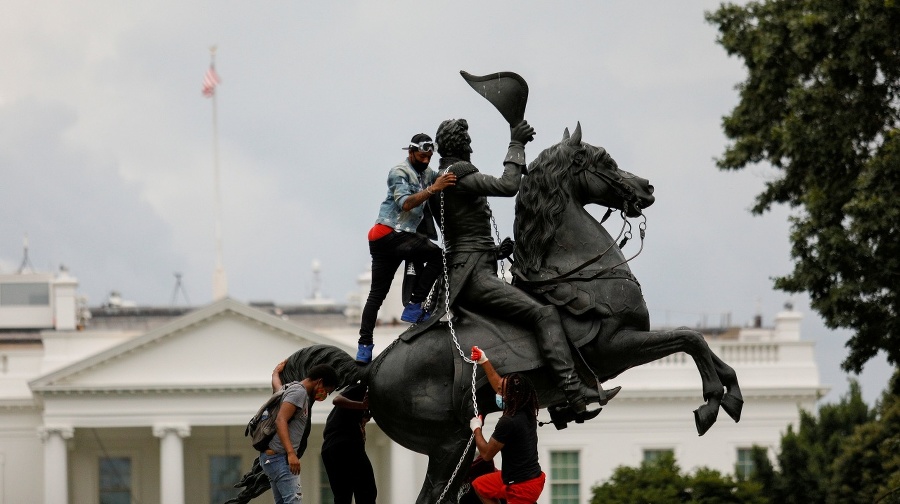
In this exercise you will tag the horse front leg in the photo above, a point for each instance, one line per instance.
(713, 390)
(733, 400)
(629, 348)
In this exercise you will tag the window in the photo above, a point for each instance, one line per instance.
(656, 454)
(326, 497)
(25, 294)
(744, 466)
(564, 477)
(224, 472)
(115, 480)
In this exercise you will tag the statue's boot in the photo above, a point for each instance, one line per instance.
(555, 348)
(600, 395)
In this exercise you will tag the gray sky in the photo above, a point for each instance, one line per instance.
(106, 141)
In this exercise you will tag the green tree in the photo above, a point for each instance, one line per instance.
(764, 472)
(708, 486)
(821, 104)
(868, 468)
(661, 482)
(806, 461)
(658, 481)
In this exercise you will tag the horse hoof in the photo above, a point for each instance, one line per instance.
(705, 417)
(732, 405)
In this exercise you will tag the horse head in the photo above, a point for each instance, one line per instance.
(571, 170)
(601, 181)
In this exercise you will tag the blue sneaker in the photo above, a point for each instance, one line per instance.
(364, 354)
(414, 313)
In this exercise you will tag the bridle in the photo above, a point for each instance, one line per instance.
(616, 180)
(630, 202)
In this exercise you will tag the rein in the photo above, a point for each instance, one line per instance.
(568, 276)
(630, 200)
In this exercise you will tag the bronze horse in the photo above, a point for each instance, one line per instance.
(420, 387)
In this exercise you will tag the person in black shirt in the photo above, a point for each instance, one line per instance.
(349, 471)
(520, 480)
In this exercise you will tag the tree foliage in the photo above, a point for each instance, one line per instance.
(847, 454)
(662, 482)
(868, 468)
(806, 456)
(821, 104)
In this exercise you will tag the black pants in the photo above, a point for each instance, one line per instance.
(388, 253)
(350, 473)
(485, 292)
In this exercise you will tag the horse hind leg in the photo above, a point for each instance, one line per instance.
(448, 465)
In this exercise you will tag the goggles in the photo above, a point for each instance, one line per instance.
(426, 146)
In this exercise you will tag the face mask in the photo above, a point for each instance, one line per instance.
(499, 400)
(321, 394)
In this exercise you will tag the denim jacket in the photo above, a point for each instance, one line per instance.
(403, 181)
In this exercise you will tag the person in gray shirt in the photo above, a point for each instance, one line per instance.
(280, 461)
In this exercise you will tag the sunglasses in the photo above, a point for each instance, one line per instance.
(427, 146)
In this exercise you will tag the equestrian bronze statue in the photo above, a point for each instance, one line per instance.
(421, 391)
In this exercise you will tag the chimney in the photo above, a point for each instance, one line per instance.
(787, 324)
(65, 316)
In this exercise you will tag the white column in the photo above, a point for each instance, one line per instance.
(171, 461)
(56, 463)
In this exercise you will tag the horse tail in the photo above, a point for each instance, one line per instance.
(300, 362)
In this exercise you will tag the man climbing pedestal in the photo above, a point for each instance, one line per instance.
(394, 237)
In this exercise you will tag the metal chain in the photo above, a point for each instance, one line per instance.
(497, 234)
(458, 349)
(447, 308)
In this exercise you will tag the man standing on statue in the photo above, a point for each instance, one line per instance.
(395, 238)
(472, 254)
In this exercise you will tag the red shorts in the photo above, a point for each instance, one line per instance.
(491, 486)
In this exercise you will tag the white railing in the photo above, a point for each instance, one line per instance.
(748, 353)
(730, 352)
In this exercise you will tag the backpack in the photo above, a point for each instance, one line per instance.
(261, 428)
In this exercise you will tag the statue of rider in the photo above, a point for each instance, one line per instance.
(472, 254)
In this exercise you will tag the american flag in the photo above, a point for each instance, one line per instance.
(210, 81)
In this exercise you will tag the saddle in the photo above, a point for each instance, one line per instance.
(512, 347)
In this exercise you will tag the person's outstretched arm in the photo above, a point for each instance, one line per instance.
(495, 379)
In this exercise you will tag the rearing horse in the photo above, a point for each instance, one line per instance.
(421, 388)
(567, 258)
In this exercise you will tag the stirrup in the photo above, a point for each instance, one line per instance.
(562, 414)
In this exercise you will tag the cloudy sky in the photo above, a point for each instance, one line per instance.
(106, 145)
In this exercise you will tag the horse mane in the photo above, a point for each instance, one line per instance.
(543, 196)
(545, 192)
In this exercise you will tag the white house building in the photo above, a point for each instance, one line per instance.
(148, 405)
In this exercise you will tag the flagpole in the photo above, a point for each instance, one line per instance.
(220, 281)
